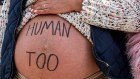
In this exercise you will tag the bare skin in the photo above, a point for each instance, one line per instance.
(57, 51)
(56, 6)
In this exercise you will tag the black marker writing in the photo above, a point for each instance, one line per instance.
(42, 55)
(38, 28)
(65, 30)
(42, 60)
(30, 55)
(55, 66)
(57, 28)
(30, 29)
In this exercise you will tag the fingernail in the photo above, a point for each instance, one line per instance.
(32, 10)
(35, 11)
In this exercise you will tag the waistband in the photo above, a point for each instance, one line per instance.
(97, 75)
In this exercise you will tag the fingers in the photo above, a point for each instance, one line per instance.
(48, 11)
(41, 7)
(44, 11)
(51, 7)
(40, 4)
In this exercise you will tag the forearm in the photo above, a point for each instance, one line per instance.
(120, 15)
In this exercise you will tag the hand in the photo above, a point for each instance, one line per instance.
(56, 6)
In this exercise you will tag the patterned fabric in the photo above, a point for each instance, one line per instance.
(121, 15)
(73, 17)
(3, 20)
(107, 42)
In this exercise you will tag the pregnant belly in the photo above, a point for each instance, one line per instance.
(49, 47)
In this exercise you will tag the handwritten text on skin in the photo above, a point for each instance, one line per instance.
(57, 29)
(45, 59)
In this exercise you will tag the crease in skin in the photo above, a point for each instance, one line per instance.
(45, 46)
